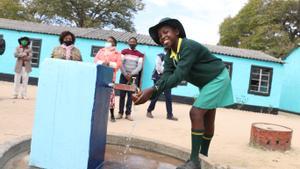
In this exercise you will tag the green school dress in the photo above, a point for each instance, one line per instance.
(194, 63)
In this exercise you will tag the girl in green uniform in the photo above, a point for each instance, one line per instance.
(190, 61)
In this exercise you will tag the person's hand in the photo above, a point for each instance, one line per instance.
(135, 96)
(143, 96)
(106, 63)
(128, 77)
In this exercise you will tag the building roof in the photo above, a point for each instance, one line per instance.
(101, 34)
(243, 53)
(291, 52)
(90, 33)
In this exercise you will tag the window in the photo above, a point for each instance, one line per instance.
(229, 67)
(35, 45)
(95, 50)
(183, 83)
(260, 80)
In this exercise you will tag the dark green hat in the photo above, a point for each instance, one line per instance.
(153, 31)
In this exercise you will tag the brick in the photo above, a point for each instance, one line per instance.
(270, 139)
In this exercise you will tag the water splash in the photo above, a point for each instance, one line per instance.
(129, 139)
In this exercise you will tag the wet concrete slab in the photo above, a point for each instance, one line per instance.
(116, 157)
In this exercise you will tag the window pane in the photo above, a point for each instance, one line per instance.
(265, 77)
(260, 80)
(266, 71)
(183, 83)
(264, 84)
(36, 49)
(36, 43)
(254, 82)
(264, 89)
(256, 70)
(34, 58)
(95, 50)
(35, 55)
(35, 62)
(228, 65)
(255, 76)
(254, 88)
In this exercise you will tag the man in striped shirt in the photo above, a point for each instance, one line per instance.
(132, 63)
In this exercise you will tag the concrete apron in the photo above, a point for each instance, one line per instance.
(12, 148)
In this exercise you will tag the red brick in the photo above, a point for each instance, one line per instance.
(262, 137)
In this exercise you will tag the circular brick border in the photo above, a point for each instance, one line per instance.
(11, 149)
(271, 136)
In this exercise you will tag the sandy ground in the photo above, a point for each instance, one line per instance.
(229, 146)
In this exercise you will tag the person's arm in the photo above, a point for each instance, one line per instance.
(139, 67)
(113, 64)
(159, 65)
(123, 70)
(18, 53)
(117, 64)
(99, 59)
(29, 56)
(54, 52)
(79, 55)
(171, 79)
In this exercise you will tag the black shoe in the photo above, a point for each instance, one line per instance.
(128, 117)
(149, 114)
(190, 165)
(172, 118)
(112, 119)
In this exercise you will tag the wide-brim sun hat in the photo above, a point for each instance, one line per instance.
(153, 31)
(24, 38)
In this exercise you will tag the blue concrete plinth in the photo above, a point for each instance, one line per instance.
(71, 115)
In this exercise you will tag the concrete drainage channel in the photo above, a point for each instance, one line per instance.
(13, 148)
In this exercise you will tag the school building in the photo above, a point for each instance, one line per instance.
(260, 82)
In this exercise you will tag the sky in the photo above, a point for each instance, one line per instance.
(200, 18)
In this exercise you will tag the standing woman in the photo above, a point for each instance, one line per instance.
(189, 60)
(109, 56)
(67, 50)
(23, 67)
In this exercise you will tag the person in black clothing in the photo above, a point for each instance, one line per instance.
(157, 72)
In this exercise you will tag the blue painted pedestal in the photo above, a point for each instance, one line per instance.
(70, 122)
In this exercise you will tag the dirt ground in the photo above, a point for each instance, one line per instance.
(229, 145)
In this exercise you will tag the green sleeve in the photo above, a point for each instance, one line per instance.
(174, 75)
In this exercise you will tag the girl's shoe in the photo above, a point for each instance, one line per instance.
(190, 165)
